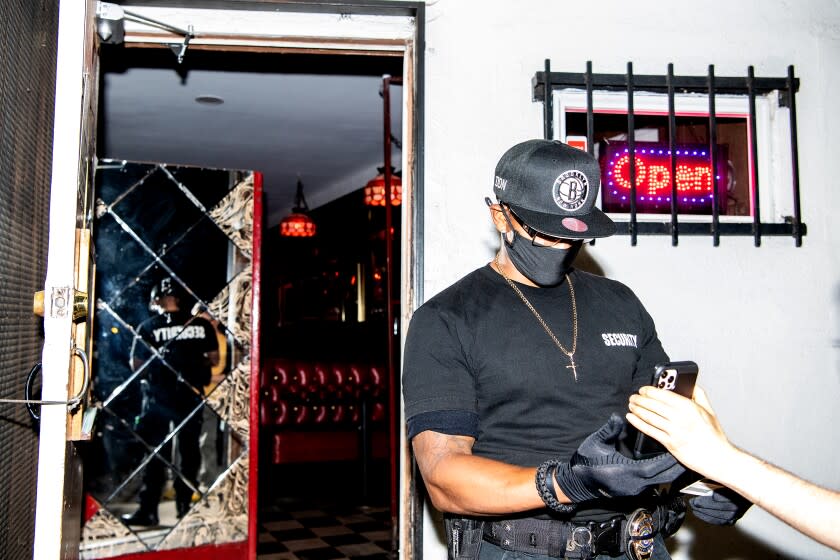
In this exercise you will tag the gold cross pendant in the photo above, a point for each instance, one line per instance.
(573, 366)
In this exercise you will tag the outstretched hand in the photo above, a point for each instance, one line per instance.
(597, 469)
(687, 428)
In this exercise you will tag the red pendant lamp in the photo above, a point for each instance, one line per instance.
(298, 223)
(375, 190)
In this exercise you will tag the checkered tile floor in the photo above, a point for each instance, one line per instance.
(291, 532)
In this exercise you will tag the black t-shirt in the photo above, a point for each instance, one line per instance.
(477, 362)
(183, 342)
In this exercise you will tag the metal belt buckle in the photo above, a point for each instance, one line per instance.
(581, 540)
(640, 535)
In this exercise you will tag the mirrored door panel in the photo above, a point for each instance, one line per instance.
(167, 465)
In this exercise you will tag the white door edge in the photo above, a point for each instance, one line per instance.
(60, 274)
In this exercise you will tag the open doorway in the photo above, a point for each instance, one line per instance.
(347, 27)
(327, 464)
(325, 298)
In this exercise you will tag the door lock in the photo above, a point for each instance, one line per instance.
(59, 303)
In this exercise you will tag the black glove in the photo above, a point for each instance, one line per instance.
(598, 470)
(671, 514)
(722, 507)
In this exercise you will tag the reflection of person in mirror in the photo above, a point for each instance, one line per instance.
(174, 353)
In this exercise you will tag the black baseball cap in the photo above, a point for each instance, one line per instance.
(166, 287)
(552, 187)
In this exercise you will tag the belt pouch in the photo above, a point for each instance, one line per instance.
(463, 538)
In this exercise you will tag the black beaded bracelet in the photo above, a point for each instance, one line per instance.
(545, 487)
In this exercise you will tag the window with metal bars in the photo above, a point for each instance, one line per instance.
(683, 155)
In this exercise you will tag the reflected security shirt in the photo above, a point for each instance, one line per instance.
(183, 341)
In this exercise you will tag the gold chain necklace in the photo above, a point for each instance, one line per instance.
(569, 353)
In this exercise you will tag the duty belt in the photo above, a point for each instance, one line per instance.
(631, 534)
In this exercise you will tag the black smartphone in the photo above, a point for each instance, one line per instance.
(679, 377)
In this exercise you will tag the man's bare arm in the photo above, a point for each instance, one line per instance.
(690, 430)
(462, 483)
(809, 508)
(212, 358)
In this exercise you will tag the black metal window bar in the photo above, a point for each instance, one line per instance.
(546, 82)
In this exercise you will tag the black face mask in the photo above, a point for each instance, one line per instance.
(544, 266)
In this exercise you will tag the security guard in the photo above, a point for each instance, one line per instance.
(516, 379)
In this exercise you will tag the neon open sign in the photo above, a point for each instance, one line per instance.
(693, 178)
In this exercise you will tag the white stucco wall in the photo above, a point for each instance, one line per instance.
(761, 322)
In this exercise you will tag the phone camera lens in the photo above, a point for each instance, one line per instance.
(661, 384)
(671, 379)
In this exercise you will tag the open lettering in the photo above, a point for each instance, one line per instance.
(653, 177)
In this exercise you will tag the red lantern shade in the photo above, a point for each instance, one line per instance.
(297, 225)
(375, 191)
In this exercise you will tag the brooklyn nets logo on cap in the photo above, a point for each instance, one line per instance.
(569, 190)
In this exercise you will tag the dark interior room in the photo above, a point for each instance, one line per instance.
(327, 470)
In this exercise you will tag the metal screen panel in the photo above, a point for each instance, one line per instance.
(28, 32)
(546, 82)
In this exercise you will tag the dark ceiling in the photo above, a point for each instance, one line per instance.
(314, 116)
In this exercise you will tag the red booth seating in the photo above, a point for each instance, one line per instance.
(311, 411)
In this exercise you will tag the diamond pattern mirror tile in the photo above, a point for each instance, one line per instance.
(167, 466)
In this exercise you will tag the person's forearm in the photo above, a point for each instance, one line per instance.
(471, 485)
(806, 507)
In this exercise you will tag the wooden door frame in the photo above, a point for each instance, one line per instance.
(76, 27)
